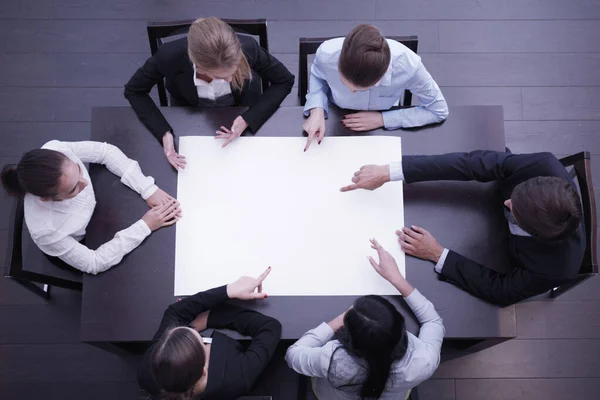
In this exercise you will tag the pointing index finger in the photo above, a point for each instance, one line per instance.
(262, 276)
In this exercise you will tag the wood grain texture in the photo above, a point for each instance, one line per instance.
(437, 389)
(558, 319)
(490, 9)
(70, 391)
(549, 69)
(507, 97)
(527, 389)
(550, 358)
(190, 9)
(69, 70)
(31, 135)
(555, 36)
(63, 363)
(561, 103)
(559, 137)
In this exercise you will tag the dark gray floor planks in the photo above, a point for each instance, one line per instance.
(527, 389)
(539, 59)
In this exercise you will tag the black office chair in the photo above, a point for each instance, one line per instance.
(40, 269)
(310, 46)
(581, 172)
(157, 31)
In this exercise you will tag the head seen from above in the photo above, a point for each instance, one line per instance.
(546, 207)
(48, 174)
(179, 362)
(364, 59)
(216, 51)
(375, 332)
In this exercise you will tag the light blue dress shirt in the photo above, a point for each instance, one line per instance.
(406, 71)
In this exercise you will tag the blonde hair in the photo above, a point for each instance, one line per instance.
(212, 44)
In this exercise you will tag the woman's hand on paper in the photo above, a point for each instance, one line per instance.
(314, 126)
(238, 127)
(369, 177)
(388, 269)
(248, 288)
(176, 160)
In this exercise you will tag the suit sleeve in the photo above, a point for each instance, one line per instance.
(137, 92)
(186, 310)
(498, 288)
(280, 80)
(265, 332)
(479, 165)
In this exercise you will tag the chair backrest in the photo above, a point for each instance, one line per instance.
(310, 46)
(582, 173)
(41, 269)
(157, 31)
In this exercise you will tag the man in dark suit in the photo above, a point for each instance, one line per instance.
(542, 207)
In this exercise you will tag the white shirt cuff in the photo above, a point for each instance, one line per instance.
(143, 227)
(396, 172)
(324, 332)
(440, 264)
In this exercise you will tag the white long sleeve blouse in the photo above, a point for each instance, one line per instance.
(58, 226)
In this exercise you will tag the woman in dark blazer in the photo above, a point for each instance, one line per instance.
(211, 67)
(181, 364)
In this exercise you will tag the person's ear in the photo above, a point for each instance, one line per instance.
(204, 371)
(508, 204)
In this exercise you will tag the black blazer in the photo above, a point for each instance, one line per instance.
(537, 265)
(172, 62)
(233, 368)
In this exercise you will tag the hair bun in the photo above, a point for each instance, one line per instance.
(10, 180)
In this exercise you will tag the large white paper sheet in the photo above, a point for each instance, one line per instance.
(263, 202)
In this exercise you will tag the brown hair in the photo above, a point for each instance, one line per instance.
(38, 173)
(547, 207)
(213, 44)
(365, 56)
(178, 362)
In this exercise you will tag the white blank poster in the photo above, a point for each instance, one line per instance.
(263, 202)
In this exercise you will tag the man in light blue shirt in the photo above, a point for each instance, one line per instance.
(365, 71)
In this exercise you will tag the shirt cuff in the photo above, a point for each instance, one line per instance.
(391, 120)
(142, 227)
(440, 264)
(324, 332)
(415, 299)
(149, 191)
(396, 172)
(316, 100)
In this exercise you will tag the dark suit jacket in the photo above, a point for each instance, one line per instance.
(171, 61)
(232, 369)
(537, 265)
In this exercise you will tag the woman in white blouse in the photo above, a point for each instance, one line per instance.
(366, 352)
(59, 201)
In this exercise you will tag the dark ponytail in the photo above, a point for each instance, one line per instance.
(374, 332)
(38, 173)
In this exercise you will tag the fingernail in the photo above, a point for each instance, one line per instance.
(319, 142)
(266, 295)
(304, 149)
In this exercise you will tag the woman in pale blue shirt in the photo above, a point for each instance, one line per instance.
(366, 352)
(365, 71)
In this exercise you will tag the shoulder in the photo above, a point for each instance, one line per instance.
(250, 47)
(329, 51)
(402, 57)
(55, 145)
(172, 54)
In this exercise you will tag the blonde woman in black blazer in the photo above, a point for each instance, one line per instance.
(211, 67)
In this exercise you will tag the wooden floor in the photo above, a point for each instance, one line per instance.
(539, 59)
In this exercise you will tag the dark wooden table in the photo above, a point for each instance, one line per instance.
(126, 303)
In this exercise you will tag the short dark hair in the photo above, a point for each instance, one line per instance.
(375, 332)
(547, 207)
(38, 173)
(365, 56)
(178, 362)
